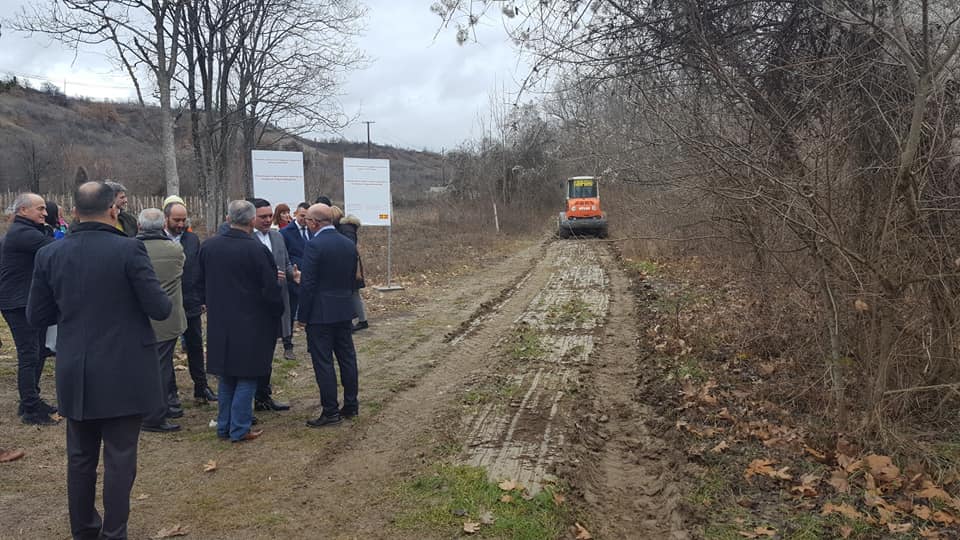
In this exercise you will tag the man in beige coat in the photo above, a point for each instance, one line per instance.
(167, 259)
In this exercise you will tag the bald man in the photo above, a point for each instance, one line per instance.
(24, 238)
(327, 311)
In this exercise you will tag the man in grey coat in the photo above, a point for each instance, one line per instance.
(286, 271)
(167, 259)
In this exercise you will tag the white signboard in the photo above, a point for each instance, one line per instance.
(278, 177)
(366, 190)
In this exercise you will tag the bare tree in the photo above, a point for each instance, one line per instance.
(142, 33)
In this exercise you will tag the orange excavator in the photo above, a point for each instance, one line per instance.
(583, 214)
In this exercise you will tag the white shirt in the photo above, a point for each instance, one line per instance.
(264, 239)
(172, 237)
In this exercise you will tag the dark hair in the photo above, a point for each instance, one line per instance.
(281, 208)
(305, 205)
(93, 198)
(169, 207)
(258, 202)
(323, 199)
(53, 214)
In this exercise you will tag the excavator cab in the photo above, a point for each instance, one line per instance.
(583, 214)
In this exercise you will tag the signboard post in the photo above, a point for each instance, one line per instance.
(278, 177)
(366, 194)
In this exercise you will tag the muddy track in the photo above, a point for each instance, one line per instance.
(529, 367)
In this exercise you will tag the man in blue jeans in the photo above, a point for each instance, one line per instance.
(238, 280)
(24, 238)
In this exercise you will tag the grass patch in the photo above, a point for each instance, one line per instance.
(526, 345)
(642, 267)
(573, 311)
(442, 500)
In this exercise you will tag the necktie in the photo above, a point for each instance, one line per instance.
(303, 232)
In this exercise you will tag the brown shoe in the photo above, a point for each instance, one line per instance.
(250, 435)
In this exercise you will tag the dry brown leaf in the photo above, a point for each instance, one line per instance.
(860, 305)
(558, 498)
(170, 532)
(766, 368)
(471, 527)
(819, 456)
(869, 482)
(508, 485)
(808, 485)
(582, 532)
(843, 509)
(943, 517)
(506, 499)
(845, 531)
(7, 456)
(922, 511)
(143, 497)
(848, 463)
(210, 466)
(882, 468)
(720, 447)
(927, 532)
(487, 518)
(899, 527)
(762, 530)
(838, 479)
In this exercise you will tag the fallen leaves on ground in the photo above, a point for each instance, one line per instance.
(471, 527)
(506, 499)
(808, 485)
(558, 498)
(840, 482)
(843, 509)
(7, 456)
(210, 466)
(582, 532)
(764, 467)
(758, 532)
(487, 518)
(170, 532)
(508, 485)
(143, 497)
(882, 468)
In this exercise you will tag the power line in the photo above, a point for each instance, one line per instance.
(64, 81)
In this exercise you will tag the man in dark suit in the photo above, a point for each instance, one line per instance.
(126, 221)
(98, 287)
(326, 309)
(295, 236)
(175, 214)
(24, 238)
(244, 306)
(286, 273)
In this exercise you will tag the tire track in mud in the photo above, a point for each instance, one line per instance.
(574, 412)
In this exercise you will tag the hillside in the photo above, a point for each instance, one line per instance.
(45, 137)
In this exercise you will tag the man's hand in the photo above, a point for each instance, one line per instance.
(301, 324)
(296, 274)
(281, 275)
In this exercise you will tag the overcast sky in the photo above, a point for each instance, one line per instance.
(421, 93)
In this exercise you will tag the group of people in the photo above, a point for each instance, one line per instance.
(117, 307)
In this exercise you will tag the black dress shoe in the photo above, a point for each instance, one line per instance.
(37, 419)
(362, 325)
(325, 420)
(165, 427)
(349, 413)
(46, 408)
(204, 395)
(174, 412)
(270, 405)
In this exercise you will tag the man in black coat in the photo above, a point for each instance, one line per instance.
(175, 214)
(326, 309)
(126, 221)
(244, 306)
(99, 288)
(295, 236)
(25, 236)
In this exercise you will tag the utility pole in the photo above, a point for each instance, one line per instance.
(368, 122)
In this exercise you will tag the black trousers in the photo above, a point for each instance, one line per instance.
(193, 343)
(167, 379)
(323, 341)
(119, 439)
(30, 361)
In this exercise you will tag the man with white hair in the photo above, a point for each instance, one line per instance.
(244, 306)
(25, 236)
(167, 259)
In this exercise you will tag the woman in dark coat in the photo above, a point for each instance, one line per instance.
(349, 226)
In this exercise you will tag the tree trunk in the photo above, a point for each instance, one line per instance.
(168, 145)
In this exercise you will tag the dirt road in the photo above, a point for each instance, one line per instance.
(527, 367)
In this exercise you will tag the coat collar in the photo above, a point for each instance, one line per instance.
(237, 233)
(85, 226)
(158, 235)
(24, 221)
